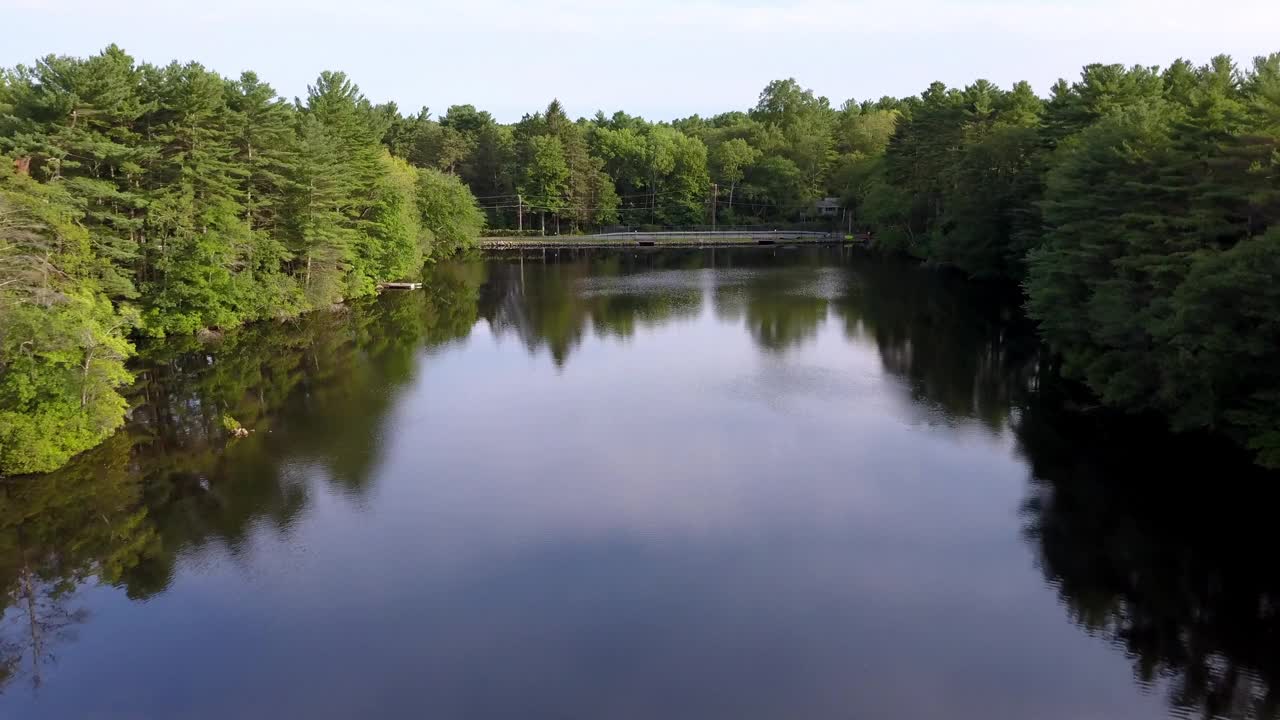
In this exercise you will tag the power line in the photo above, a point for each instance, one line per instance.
(620, 197)
(548, 208)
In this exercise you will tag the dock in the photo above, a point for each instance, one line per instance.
(400, 286)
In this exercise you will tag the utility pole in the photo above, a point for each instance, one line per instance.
(519, 214)
(715, 197)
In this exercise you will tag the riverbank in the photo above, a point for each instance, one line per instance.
(673, 239)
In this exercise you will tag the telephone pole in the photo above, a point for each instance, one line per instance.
(715, 197)
(519, 213)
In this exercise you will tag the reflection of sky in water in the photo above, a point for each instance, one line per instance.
(673, 525)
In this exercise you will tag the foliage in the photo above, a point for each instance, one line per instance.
(1135, 205)
(447, 212)
(1155, 278)
(169, 200)
(62, 343)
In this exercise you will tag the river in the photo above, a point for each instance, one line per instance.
(800, 483)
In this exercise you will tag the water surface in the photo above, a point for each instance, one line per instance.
(677, 484)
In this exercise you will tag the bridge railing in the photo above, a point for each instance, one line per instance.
(753, 234)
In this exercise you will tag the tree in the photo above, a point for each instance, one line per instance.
(544, 178)
(194, 222)
(1154, 226)
(321, 237)
(864, 132)
(1132, 204)
(345, 167)
(75, 122)
(62, 343)
(447, 212)
(785, 104)
(729, 162)
(399, 244)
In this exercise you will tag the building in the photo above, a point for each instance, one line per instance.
(828, 207)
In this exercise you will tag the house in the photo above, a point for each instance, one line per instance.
(828, 207)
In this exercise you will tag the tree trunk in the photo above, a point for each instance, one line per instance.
(248, 197)
(33, 618)
(84, 380)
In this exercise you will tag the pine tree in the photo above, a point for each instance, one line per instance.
(322, 240)
(544, 176)
(346, 132)
(76, 122)
(194, 195)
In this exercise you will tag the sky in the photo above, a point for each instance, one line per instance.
(661, 59)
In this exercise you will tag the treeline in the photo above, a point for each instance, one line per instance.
(549, 174)
(137, 199)
(1139, 210)
(1136, 206)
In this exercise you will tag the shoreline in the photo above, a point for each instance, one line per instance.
(670, 239)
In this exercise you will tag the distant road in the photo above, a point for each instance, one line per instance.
(692, 238)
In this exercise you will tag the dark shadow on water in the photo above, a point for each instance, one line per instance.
(1158, 545)
(961, 347)
(314, 390)
(1162, 547)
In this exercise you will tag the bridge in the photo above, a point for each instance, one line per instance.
(676, 238)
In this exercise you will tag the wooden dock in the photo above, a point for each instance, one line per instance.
(400, 286)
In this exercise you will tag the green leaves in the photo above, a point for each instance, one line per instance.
(1155, 280)
(170, 200)
(544, 176)
(62, 343)
(448, 213)
(1137, 205)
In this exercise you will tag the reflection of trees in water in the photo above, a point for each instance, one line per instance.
(960, 346)
(546, 304)
(314, 390)
(554, 303)
(781, 308)
(57, 531)
(538, 304)
(1158, 544)
(1163, 549)
(1143, 543)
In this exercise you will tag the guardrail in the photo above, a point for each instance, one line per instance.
(749, 234)
(672, 238)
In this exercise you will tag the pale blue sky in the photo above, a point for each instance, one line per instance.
(660, 58)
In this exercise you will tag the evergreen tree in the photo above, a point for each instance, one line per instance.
(1137, 206)
(544, 176)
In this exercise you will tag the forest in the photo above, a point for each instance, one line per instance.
(1136, 206)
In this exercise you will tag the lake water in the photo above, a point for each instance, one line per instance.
(771, 483)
